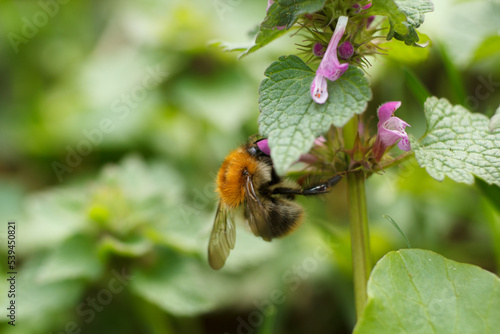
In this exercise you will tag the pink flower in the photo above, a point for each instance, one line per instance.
(330, 67)
(391, 130)
(263, 145)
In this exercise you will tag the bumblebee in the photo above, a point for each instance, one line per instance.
(247, 178)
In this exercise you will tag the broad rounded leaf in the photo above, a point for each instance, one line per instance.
(292, 120)
(418, 291)
(458, 144)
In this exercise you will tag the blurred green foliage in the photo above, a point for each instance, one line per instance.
(140, 200)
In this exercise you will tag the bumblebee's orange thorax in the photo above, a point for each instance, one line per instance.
(231, 177)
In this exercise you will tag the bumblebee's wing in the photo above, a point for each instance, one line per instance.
(256, 212)
(222, 238)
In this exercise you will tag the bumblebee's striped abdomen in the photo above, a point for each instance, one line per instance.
(284, 217)
(231, 177)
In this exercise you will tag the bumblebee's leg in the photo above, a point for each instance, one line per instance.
(324, 187)
(315, 190)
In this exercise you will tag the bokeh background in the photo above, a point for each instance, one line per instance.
(115, 117)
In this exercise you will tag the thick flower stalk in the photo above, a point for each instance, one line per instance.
(330, 68)
(391, 130)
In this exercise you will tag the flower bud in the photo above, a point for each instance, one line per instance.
(346, 50)
(319, 50)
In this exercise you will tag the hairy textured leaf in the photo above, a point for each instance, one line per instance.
(292, 120)
(286, 12)
(404, 17)
(458, 144)
(419, 291)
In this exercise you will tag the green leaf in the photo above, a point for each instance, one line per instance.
(75, 258)
(402, 54)
(131, 247)
(404, 17)
(419, 291)
(41, 306)
(490, 191)
(286, 12)
(490, 47)
(458, 144)
(44, 213)
(282, 13)
(179, 285)
(453, 30)
(389, 218)
(416, 86)
(456, 83)
(292, 120)
(264, 37)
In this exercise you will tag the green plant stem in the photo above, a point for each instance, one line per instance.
(358, 219)
(360, 243)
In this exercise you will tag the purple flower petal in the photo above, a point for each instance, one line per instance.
(330, 66)
(263, 145)
(391, 130)
(386, 110)
(388, 137)
(404, 144)
(320, 141)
